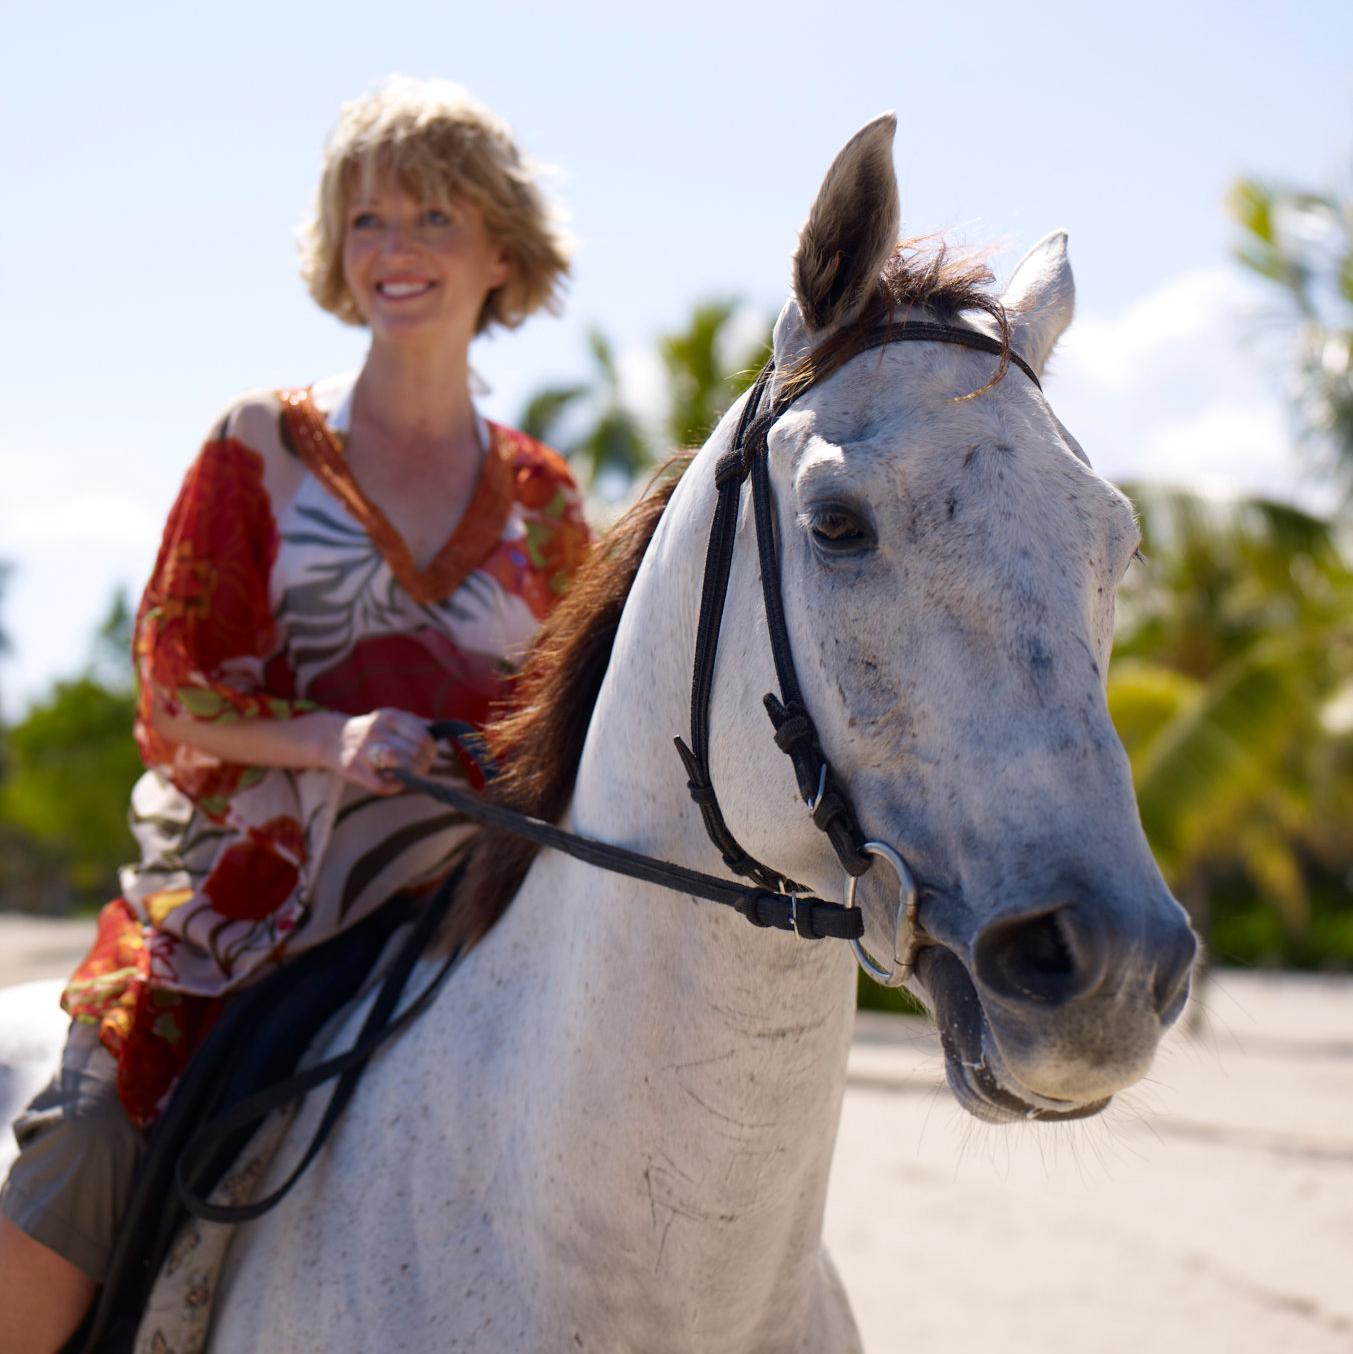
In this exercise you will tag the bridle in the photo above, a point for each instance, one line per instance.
(795, 733)
(773, 899)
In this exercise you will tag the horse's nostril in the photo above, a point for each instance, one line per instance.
(1171, 988)
(1069, 951)
(1052, 957)
(1044, 947)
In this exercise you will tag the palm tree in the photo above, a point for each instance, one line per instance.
(594, 423)
(700, 388)
(612, 439)
(1302, 242)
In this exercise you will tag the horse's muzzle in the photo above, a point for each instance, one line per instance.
(1056, 1009)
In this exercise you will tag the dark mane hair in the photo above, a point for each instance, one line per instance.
(920, 274)
(537, 740)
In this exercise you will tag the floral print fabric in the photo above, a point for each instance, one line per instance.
(280, 590)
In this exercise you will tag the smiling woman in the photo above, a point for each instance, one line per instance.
(345, 562)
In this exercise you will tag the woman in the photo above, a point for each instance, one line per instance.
(343, 564)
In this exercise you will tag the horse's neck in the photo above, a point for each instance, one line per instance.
(696, 1063)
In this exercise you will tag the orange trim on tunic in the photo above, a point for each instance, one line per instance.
(468, 546)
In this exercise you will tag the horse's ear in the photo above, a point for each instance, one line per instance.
(1040, 300)
(851, 229)
(790, 339)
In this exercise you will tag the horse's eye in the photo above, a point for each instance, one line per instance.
(838, 530)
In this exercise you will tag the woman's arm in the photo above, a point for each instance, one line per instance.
(359, 748)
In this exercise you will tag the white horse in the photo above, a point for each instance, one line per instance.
(32, 1030)
(613, 1129)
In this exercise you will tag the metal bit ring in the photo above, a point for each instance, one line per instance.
(906, 937)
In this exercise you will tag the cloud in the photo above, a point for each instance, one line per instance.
(1183, 314)
(1185, 386)
(643, 380)
(1228, 448)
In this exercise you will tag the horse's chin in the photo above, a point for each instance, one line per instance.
(977, 1074)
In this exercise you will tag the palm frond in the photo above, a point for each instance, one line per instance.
(540, 419)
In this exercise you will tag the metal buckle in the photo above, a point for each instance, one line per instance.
(907, 933)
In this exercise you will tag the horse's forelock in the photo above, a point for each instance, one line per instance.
(920, 274)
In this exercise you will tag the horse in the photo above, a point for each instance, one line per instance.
(32, 1030)
(613, 1128)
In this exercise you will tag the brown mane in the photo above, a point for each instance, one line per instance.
(537, 740)
(919, 274)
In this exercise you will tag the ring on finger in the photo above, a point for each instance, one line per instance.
(383, 756)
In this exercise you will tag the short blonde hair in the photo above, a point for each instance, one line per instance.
(438, 142)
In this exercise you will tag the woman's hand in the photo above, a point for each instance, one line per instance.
(371, 746)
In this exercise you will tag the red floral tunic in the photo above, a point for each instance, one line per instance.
(279, 590)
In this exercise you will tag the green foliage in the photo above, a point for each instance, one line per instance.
(4, 649)
(1302, 242)
(69, 766)
(872, 997)
(699, 390)
(111, 661)
(1235, 644)
(1221, 576)
(611, 440)
(1243, 933)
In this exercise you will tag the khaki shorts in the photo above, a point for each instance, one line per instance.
(71, 1181)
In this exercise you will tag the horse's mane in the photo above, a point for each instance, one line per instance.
(537, 740)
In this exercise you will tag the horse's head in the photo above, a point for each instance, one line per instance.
(949, 561)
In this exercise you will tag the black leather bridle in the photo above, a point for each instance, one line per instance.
(795, 733)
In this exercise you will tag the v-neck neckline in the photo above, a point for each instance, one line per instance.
(480, 528)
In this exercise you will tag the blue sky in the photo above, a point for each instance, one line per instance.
(157, 157)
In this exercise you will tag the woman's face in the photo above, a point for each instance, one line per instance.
(418, 270)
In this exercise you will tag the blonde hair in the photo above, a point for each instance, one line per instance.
(438, 142)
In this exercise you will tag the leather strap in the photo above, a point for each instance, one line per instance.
(381, 1025)
(728, 477)
(813, 918)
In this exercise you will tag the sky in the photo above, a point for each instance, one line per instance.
(157, 158)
